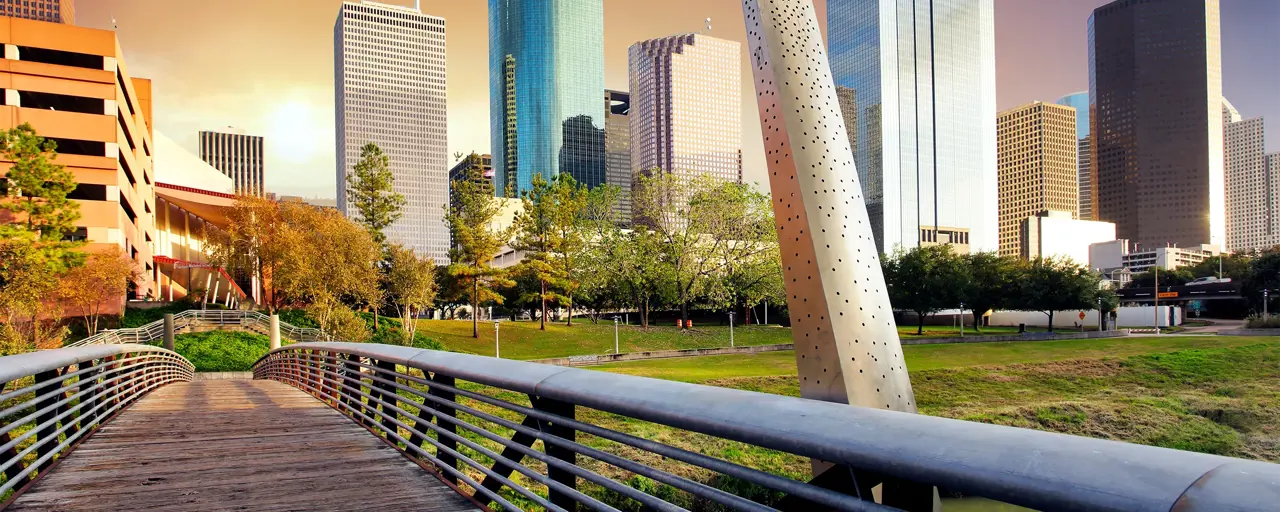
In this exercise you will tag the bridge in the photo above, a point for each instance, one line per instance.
(113, 424)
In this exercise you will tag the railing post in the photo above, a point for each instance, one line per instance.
(275, 331)
(565, 410)
(89, 380)
(385, 392)
(45, 422)
(446, 459)
(168, 331)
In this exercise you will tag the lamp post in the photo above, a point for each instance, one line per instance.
(730, 329)
(961, 319)
(766, 311)
(496, 352)
(1099, 314)
(615, 334)
(1265, 294)
(1156, 314)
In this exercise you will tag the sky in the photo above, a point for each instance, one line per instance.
(266, 66)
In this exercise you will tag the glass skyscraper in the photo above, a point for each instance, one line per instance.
(1080, 102)
(923, 78)
(546, 75)
(1084, 167)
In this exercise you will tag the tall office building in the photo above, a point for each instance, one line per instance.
(924, 76)
(237, 155)
(1155, 103)
(1080, 102)
(617, 148)
(1037, 167)
(56, 11)
(1251, 210)
(686, 106)
(389, 84)
(546, 73)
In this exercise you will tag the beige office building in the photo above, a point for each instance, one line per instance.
(686, 106)
(55, 11)
(1036, 165)
(1251, 211)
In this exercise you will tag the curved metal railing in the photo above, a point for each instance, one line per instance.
(479, 419)
(248, 320)
(50, 400)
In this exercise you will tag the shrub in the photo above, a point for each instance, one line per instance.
(222, 351)
(1257, 322)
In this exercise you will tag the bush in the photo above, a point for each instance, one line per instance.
(222, 351)
(297, 318)
(1257, 322)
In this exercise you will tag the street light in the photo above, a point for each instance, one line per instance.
(615, 334)
(1265, 293)
(961, 319)
(1099, 314)
(731, 329)
(496, 352)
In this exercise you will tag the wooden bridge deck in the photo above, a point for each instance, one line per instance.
(236, 445)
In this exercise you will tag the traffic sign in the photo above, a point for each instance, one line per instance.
(1167, 295)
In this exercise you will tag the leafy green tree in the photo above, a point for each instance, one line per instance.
(569, 234)
(1264, 274)
(989, 283)
(535, 232)
(476, 239)
(924, 280)
(37, 216)
(1048, 285)
(410, 284)
(370, 192)
(1175, 277)
(1235, 266)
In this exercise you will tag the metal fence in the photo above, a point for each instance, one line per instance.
(480, 419)
(187, 320)
(51, 400)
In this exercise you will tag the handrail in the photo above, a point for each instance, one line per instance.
(184, 320)
(59, 396)
(393, 390)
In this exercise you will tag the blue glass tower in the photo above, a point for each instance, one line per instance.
(923, 76)
(546, 77)
(1080, 102)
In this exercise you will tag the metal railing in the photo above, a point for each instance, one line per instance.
(51, 400)
(186, 320)
(479, 419)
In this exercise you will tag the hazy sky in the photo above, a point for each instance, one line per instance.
(267, 65)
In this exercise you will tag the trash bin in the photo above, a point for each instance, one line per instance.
(1022, 328)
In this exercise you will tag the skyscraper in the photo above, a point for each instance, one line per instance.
(389, 84)
(1080, 102)
(1252, 219)
(617, 147)
(1037, 167)
(1155, 103)
(686, 106)
(56, 11)
(924, 76)
(546, 73)
(237, 155)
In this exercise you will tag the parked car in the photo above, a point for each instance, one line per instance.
(1209, 280)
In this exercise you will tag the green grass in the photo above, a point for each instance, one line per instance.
(221, 351)
(523, 340)
(927, 357)
(1205, 394)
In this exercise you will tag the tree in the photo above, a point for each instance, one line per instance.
(33, 252)
(701, 224)
(342, 264)
(102, 280)
(1234, 266)
(262, 238)
(370, 192)
(35, 188)
(924, 280)
(1055, 284)
(476, 239)
(568, 233)
(989, 283)
(535, 231)
(410, 283)
(1264, 274)
(1175, 277)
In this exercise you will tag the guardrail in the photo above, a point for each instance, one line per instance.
(50, 400)
(478, 419)
(184, 321)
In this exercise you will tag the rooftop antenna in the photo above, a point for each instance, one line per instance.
(708, 30)
(113, 22)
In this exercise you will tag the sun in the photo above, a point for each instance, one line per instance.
(295, 132)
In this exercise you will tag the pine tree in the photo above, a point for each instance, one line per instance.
(475, 241)
(370, 193)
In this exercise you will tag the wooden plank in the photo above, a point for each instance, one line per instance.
(236, 444)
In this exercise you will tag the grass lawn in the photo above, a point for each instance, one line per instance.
(523, 340)
(221, 351)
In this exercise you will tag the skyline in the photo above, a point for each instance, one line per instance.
(240, 81)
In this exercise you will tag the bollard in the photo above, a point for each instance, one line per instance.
(275, 332)
(168, 331)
